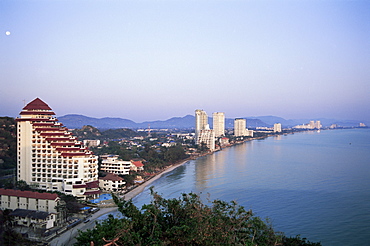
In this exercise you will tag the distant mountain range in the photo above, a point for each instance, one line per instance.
(74, 121)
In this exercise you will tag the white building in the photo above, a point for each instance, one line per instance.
(91, 143)
(112, 164)
(219, 124)
(50, 158)
(240, 125)
(311, 125)
(201, 122)
(224, 141)
(112, 182)
(277, 127)
(207, 136)
(137, 166)
(31, 208)
(240, 128)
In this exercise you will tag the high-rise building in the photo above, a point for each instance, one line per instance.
(219, 124)
(240, 127)
(50, 158)
(207, 137)
(201, 122)
(277, 127)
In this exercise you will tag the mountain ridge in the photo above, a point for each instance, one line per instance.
(188, 122)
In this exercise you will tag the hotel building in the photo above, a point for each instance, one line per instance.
(277, 127)
(201, 122)
(207, 136)
(240, 128)
(50, 158)
(219, 124)
(112, 164)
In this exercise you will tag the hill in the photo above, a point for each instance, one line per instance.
(74, 121)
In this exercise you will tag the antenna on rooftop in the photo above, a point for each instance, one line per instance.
(149, 135)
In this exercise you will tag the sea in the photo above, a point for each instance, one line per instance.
(315, 184)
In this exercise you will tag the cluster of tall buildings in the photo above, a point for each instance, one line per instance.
(311, 125)
(204, 134)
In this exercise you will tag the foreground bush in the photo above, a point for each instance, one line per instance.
(184, 221)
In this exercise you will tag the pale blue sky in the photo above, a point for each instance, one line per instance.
(153, 60)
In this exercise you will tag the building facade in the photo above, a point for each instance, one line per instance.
(312, 125)
(50, 158)
(240, 126)
(112, 183)
(201, 123)
(219, 124)
(112, 164)
(30, 208)
(207, 137)
(277, 127)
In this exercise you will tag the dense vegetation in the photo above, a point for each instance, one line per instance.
(90, 132)
(184, 221)
(8, 145)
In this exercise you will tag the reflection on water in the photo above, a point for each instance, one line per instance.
(313, 184)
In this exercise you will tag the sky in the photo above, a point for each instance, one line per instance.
(158, 59)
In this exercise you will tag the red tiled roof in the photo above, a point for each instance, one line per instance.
(138, 163)
(93, 184)
(37, 104)
(29, 194)
(112, 176)
(37, 112)
(79, 186)
(92, 192)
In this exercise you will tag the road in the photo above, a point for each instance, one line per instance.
(67, 238)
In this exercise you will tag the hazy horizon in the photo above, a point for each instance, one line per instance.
(154, 60)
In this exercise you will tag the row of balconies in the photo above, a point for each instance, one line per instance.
(53, 174)
(55, 160)
(64, 166)
(48, 179)
(116, 164)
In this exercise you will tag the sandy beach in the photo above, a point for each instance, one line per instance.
(137, 190)
(131, 194)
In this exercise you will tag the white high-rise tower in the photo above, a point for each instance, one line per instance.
(219, 124)
(240, 127)
(201, 122)
(50, 158)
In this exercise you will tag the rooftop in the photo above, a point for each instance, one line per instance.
(28, 194)
(37, 104)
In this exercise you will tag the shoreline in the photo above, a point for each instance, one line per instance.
(140, 188)
(137, 190)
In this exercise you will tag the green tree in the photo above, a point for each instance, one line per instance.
(182, 221)
(175, 153)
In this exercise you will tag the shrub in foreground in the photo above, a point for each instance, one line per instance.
(184, 221)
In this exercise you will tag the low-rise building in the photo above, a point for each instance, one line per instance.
(112, 164)
(91, 143)
(224, 141)
(33, 219)
(32, 209)
(13, 199)
(137, 166)
(112, 182)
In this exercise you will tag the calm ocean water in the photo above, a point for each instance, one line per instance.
(316, 184)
